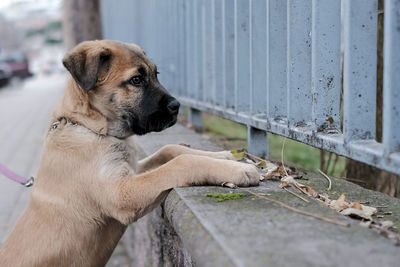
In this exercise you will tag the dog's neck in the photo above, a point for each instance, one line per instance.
(75, 106)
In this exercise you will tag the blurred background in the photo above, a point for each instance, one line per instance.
(31, 40)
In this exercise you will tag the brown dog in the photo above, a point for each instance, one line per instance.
(89, 186)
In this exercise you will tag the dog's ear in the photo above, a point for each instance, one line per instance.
(85, 62)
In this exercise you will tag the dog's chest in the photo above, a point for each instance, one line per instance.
(122, 151)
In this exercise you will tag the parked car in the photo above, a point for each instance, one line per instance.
(5, 74)
(18, 64)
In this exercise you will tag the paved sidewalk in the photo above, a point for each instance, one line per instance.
(25, 109)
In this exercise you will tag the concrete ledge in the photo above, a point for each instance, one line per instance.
(192, 229)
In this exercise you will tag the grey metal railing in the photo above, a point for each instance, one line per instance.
(275, 66)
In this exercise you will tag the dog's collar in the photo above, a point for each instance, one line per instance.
(55, 124)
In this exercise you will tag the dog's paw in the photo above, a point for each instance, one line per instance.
(244, 174)
(223, 155)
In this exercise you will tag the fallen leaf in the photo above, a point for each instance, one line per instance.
(271, 173)
(339, 204)
(368, 209)
(238, 154)
(356, 213)
(356, 205)
(311, 191)
(291, 181)
(364, 213)
(261, 164)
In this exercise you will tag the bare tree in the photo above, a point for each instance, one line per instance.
(81, 21)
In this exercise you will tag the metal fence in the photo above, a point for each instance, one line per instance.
(276, 66)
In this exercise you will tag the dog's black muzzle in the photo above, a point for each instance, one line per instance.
(157, 114)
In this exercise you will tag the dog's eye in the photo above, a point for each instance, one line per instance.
(137, 80)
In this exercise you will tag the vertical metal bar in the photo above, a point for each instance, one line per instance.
(391, 77)
(182, 52)
(276, 65)
(219, 52)
(203, 20)
(212, 52)
(177, 77)
(299, 62)
(229, 45)
(105, 18)
(325, 69)
(257, 142)
(208, 67)
(191, 49)
(258, 57)
(359, 73)
(199, 49)
(162, 63)
(242, 55)
(196, 119)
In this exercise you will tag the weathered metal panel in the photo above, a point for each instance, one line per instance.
(258, 57)
(359, 73)
(258, 62)
(325, 67)
(276, 66)
(391, 90)
(299, 62)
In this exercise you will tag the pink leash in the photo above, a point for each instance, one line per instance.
(15, 177)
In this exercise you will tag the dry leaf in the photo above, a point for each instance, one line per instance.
(365, 212)
(261, 164)
(290, 181)
(339, 204)
(272, 172)
(238, 154)
(311, 191)
(356, 205)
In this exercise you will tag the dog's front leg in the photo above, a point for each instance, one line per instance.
(134, 196)
(170, 152)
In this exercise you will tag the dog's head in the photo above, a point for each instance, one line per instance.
(121, 83)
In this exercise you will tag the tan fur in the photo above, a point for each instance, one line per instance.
(89, 185)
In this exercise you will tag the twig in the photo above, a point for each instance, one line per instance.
(297, 210)
(327, 177)
(296, 195)
(253, 156)
(283, 165)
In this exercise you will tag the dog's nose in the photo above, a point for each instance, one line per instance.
(173, 106)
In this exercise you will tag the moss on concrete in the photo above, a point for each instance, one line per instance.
(225, 196)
